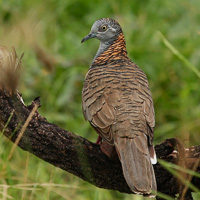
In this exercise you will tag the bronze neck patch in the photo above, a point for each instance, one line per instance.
(116, 51)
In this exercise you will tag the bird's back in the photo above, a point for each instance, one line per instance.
(122, 87)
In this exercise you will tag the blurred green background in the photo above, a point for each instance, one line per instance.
(55, 63)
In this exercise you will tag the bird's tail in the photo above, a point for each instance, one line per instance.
(136, 163)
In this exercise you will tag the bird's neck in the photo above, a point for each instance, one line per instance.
(109, 52)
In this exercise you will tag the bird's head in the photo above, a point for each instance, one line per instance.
(104, 29)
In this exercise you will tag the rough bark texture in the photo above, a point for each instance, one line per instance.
(83, 158)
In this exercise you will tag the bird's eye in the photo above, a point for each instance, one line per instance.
(103, 28)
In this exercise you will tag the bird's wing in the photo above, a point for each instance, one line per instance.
(97, 104)
(144, 93)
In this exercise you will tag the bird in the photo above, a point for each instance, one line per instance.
(117, 102)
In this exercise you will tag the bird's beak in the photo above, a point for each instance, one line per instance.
(89, 36)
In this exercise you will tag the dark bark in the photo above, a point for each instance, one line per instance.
(83, 158)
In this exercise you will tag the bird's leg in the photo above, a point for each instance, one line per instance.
(99, 140)
(109, 150)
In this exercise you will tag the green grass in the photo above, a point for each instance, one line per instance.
(181, 173)
(171, 61)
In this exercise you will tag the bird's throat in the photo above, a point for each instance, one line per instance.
(108, 53)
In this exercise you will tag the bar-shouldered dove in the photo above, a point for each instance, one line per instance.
(117, 102)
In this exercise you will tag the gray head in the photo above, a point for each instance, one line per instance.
(104, 29)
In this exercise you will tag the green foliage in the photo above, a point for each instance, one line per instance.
(55, 29)
(181, 173)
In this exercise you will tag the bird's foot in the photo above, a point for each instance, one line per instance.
(109, 150)
(99, 140)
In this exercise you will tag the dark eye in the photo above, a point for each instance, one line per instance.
(103, 28)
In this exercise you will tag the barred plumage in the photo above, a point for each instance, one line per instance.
(117, 102)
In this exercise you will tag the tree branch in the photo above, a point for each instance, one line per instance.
(83, 158)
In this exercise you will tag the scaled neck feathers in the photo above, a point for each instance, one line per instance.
(108, 53)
